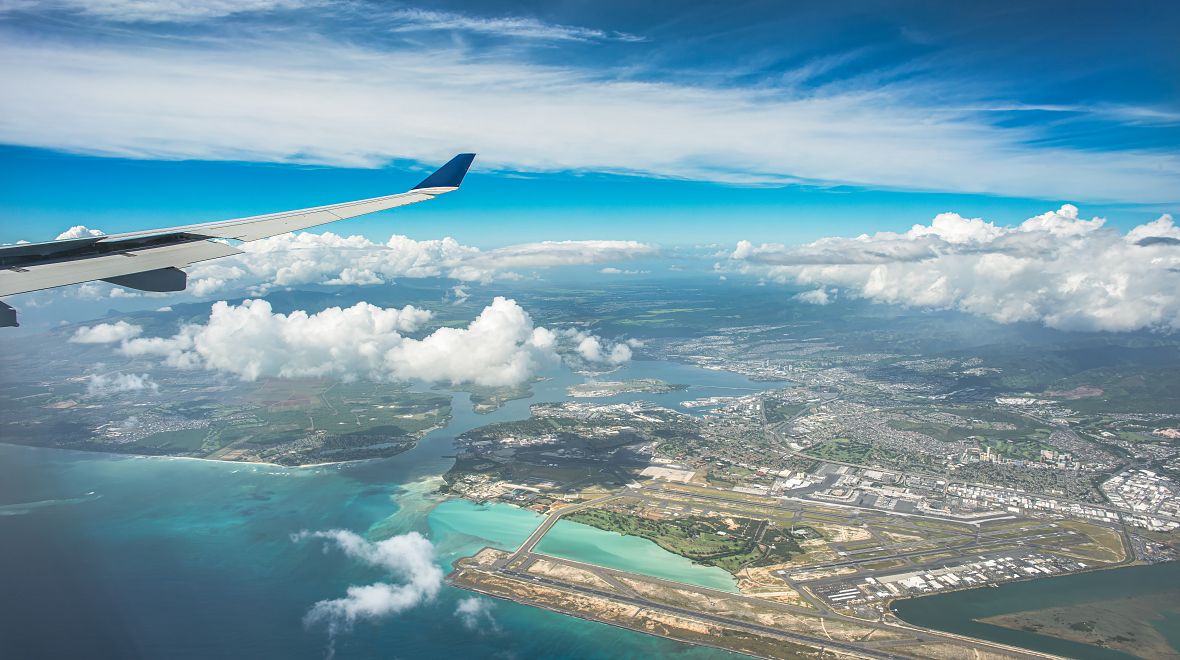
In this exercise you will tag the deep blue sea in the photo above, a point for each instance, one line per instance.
(106, 556)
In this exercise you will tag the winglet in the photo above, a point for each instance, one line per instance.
(449, 175)
(7, 317)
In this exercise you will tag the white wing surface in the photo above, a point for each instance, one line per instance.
(151, 260)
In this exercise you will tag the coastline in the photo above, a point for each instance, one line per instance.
(976, 618)
(168, 457)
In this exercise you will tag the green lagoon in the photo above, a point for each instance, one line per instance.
(578, 542)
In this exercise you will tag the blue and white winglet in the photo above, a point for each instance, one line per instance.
(152, 260)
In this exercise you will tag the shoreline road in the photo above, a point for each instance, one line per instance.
(531, 542)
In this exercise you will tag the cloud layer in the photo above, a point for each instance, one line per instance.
(1056, 268)
(499, 347)
(290, 96)
(304, 258)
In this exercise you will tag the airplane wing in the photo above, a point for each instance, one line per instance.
(151, 260)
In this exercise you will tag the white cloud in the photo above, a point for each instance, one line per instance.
(500, 347)
(106, 333)
(103, 290)
(1161, 230)
(1062, 223)
(407, 557)
(79, 231)
(115, 383)
(337, 103)
(815, 297)
(611, 270)
(460, 294)
(156, 11)
(474, 612)
(304, 258)
(515, 27)
(1056, 268)
(120, 292)
(595, 350)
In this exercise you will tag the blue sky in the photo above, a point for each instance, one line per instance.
(664, 123)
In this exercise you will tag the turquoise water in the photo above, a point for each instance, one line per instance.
(571, 540)
(193, 559)
(106, 556)
(460, 528)
(956, 612)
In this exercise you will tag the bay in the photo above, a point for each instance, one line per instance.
(106, 556)
(958, 612)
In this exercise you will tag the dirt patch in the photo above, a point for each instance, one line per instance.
(843, 533)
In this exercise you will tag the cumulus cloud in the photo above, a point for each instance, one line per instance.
(815, 297)
(304, 258)
(79, 231)
(1056, 268)
(460, 294)
(408, 558)
(103, 290)
(475, 612)
(258, 99)
(501, 346)
(116, 383)
(106, 333)
(596, 351)
(1161, 231)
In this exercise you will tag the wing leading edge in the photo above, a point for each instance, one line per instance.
(151, 260)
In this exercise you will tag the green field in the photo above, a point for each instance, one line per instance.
(708, 541)
(187, 440)
(847, 450)
(778, 410)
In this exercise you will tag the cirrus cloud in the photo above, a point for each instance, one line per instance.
(155, 11)
(264, 99)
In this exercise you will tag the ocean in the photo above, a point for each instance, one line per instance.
(106, 556)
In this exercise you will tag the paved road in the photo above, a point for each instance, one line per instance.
(551, 520)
